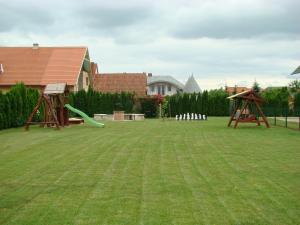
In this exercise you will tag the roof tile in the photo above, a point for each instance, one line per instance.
(41, 66)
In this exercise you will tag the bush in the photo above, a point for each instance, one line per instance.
(16, 106)
(149, 107)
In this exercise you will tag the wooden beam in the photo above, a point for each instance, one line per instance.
(61, 110)
(262, 114)
(232, 115)
(33, 112)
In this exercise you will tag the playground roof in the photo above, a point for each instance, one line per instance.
(239, 94)
(58, 88)
(41, 65)
(249, 94)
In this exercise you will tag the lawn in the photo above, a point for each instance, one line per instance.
(150, 172)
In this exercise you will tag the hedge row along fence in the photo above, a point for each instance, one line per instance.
(211, 103)
(92, 102)
(16, 106)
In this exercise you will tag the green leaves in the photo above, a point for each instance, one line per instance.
(212, 103)
(16, 105)
(92, 102)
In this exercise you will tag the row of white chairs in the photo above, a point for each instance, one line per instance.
(191, 116)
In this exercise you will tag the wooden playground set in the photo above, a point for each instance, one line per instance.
(54, 100)
(247, 109)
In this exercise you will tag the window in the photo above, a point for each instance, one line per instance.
(162, 89)
(152, 88)
(87, 81)
(169, 87)
(158, 90)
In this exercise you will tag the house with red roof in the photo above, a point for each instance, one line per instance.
(38, 66)
(121, 82)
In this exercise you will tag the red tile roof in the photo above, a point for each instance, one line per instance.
(231, 90)
(121, 82)
(42, 65)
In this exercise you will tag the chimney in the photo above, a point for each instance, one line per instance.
(35, 46)
(1, 68)
(149, 74)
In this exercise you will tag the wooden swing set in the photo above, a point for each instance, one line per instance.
(52, 100)
(247, 109)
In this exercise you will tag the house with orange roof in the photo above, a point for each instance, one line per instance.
(235, 90)
(38, 66)
(120, 82)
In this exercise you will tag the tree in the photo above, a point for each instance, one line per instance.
(205, 102)
(256, 87)
(294, 86)
(199, 103)
(297, 102)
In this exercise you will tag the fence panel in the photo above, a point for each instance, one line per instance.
(283, 117)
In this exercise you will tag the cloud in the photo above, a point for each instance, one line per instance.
(17, 17)
(218, 41)
(108, 18)
(238, 19)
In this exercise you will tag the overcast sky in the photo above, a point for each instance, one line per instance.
(219, 41)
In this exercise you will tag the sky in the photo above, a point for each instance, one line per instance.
(220, 42)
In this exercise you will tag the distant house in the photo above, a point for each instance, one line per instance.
(38, 66)
(167, 85)
(121, 82)
(235, 90)
(163, 85)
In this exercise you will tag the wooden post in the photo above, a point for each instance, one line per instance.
(61, 110)
(232, 115)
(33, 112)
(262, 114)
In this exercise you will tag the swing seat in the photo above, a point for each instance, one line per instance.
(250, 118)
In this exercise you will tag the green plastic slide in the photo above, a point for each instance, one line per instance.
(84, 116)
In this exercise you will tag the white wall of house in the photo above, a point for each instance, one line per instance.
(85, 80)
(162, 89)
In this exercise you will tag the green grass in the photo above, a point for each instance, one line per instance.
(150, 172)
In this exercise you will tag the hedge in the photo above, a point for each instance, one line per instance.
(92, 102)
(212, 103)
(16, 106)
